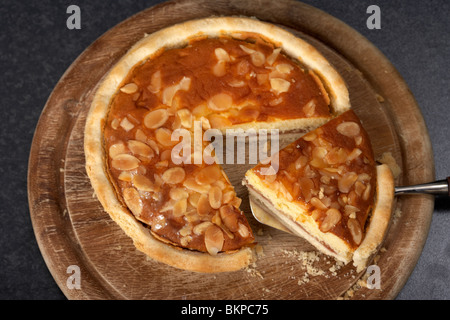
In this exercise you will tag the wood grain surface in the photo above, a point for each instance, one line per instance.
(72, 228)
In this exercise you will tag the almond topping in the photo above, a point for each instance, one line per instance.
(333, 216)
(164, 137)
(279, 85)
(143, 183)
(140, 148)
(185, 117)
(217, 122)
(348, 129)
(174, 175)
(347, 181)
(229, 217)
(191, 184)
(125, 176)
(201, 227)
(215, 197)
(178, 194)
(220, 68)
(208, 175)
(116, 149)
(220, 102)
(133, 200)
(179, 208)
(155, 82)
(126, 124)
(310, 108)
(273, 56)
(247, 49)
(355, 230)
(214, 239)
(318, 204)
(129, 88)
(258, 58)
(125, 162)
(222, 54)
(284, 68)
(243, 230)
(203, 206)
(155, 119)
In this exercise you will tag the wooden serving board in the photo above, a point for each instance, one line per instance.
(72, 228)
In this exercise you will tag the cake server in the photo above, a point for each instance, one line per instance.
(437, 188)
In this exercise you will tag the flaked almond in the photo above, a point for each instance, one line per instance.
(243, 230)
(179, 208)
(350, 210)
(214, 239)
(139, 148)
(125, 176)
(164, 137)
(347, 181)
(218, 122)
(349, 129)
(129, 88)
(116, 149)
(366, 193)
(115, 123)
(354, 154)
(220, 102)
(133, 200)
(273, 56)
(125, 162)
(203, 206)
(140, 136)
(310, 108)
(279, 85)
(126, 124)
(246, 49)
(318, 204)
(228, 196)
(300, 162)
(359, 188)
(178, 194)
(155, 82)
(143, 183)
(174, 175)
(208, 175)
(236, 83)
(355, 230)
(243, 67)
(336, 155)
(191, 184)
(215, 197)
(310, 136)
(257, 58)
(262, 78)
(306, 188)
(193, 198)
(220, 69)
(284, 68)
(229, 217)
(185, 117)
(333, 216)
(222, 54)
(200, 228)
(156, 118)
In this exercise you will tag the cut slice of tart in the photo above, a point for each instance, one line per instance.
(327, 188)
(177, 205)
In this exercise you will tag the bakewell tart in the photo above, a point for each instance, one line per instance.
(328, 189)
(214, 73)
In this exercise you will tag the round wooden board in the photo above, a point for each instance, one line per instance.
(72, 229)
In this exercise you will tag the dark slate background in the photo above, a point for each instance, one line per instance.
(36, 49)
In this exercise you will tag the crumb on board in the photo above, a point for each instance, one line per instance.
(388, 159)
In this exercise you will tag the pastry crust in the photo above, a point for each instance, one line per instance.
(177, 36)
(379, 222)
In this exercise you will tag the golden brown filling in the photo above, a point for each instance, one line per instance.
(220, 82)
(331, 173)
